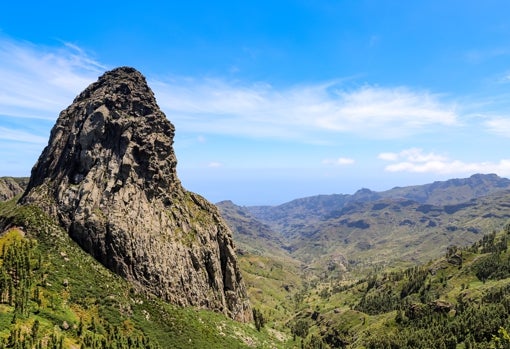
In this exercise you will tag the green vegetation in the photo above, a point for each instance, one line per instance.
(272, 286)
(54, 295)
(365, 295)
(461, 300)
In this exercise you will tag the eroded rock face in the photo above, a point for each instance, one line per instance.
(109, 175)
(11, 187)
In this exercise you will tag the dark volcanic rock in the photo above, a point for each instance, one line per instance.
(109, 175)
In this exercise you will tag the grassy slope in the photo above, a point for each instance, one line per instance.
(272, 284)
(75, 288)
(325, 308)
(334, 308)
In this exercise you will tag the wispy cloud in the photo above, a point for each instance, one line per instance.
(503, 78)
(416, 161)
(313, 112)
(499, 125)
(37, 82)
(214, 164)
(338, 162)
(21, 136)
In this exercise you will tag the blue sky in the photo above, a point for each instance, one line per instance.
(276, 100)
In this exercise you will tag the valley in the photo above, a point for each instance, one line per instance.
(312, 295)
(398, 227)
(349, 295)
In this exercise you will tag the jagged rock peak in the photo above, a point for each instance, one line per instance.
(109, 176)
(114, 124)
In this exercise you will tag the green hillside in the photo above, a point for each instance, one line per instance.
(54, 295)
(461, 300)
(402, 226)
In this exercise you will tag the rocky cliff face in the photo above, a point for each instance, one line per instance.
(109, 175)
(11, 187)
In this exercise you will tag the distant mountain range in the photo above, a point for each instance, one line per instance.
(404, 224)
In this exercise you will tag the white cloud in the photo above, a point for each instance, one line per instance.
(500, 126)
(388, 156)
(21, 136)
(338, 161)
(414, 155)
(416, 161)
(503, 78)
(312, 113)
(37, 82)
(214, 164)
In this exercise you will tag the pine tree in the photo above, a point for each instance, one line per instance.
(35, 330)
(258, 318)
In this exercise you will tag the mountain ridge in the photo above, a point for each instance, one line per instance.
(408, 224)
(436, 193)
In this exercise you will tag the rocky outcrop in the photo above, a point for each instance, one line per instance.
(11, 187)
(109, 175)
